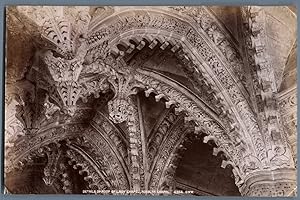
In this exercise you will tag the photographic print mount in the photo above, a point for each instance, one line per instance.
(112, 100)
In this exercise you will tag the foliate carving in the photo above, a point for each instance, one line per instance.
(123, 85)
(58, 24)
(95, 87)
(62, 70)
(113, 134)
(119, 110)
(281, 189)
(65, 28)
(54, 166)
(258, 59)
(69, 80)
(166, 24)
(94, 177)
(204, 88)
(18, 155)
(13, 126)
(51, 108)
(66, 179)
(277, 183)
(136, 152)
(167, 181)
(205, 20)
(160, 133)
(18, 117)
(66, 88)
(31, 113)
(107, 161)
(287, 103)
(241, 106)
(161, 167)
(193, 113)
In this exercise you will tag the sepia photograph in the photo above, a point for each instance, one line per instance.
(151, 100)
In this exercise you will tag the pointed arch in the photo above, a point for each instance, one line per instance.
(202, 51)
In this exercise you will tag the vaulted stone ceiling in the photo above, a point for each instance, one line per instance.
(149, 98)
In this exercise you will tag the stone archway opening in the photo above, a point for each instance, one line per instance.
(199, 171)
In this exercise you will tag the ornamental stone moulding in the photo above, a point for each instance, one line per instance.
(88, 56)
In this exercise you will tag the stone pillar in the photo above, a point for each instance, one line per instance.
(271, 183)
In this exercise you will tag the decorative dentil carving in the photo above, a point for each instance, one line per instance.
(242, 110)
(104, 164)
(19, 155)
(258, 59)
(167, 181)
(67, 71)
(163, 169)
(93, 177)
(168, 24)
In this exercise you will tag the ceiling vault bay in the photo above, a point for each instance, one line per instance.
(141, 98)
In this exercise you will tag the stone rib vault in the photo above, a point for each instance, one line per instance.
(159, 99)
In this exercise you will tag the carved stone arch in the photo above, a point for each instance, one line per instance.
(104, 130)
(184, 101)
(97, 62)
(201, 50)
(166, 154)
(94, 174)
(109, 160)
(23, 152)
